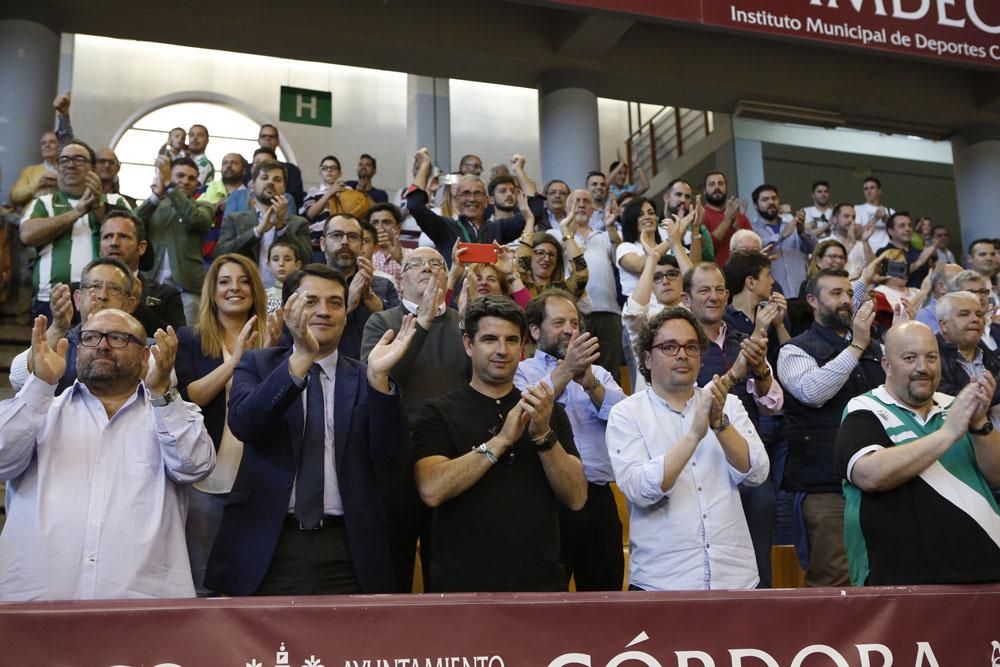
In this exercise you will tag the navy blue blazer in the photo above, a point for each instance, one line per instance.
(266, 413)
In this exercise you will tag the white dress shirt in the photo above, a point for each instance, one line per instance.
(693, 536)
(96, 506)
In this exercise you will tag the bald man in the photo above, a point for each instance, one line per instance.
(96, 496)
(918, 466)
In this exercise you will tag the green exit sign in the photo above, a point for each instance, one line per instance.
(312, 107)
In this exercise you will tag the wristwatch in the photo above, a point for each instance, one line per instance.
(547, 442)
(167, 398)
(484, 450)
(986, 429)
(723, 425)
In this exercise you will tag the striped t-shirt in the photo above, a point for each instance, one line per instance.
(62, 260)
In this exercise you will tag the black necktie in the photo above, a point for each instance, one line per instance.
(309, 483)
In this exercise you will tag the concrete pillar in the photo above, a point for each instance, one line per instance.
(428, 119)
(29, 60)
(749, 170)
(569, 133)
(977, 172)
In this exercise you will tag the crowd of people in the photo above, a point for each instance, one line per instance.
(240, 386)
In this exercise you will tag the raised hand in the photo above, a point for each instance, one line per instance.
(987, 385)
(48, 365)
(754, 350)
(732, 207)
(505, 260)
(275, 324)
(61, 303)
(537, 402)
(387, 353)
(61, 103)
(766, 316)
(360, 283)
(430, 300)
(164, 353)
(297, 321)
(267, 220)
(611, 212)
(524, 208)
(718, 391)
(965, 406)
(513, 426)
(583, 350)
(861, 327)
(245, 340)
(279, 205)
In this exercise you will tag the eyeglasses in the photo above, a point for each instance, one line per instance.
(468, 195)
(671, 349)
(669, 275)
(338, 237)
(78, 160)
(985, 291)
(116, 339)
(542, 254)
(329, 167)
(422, 263)
(98, 285)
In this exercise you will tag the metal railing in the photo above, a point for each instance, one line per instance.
(664, 137)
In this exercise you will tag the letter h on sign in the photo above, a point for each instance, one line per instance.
(311, 107)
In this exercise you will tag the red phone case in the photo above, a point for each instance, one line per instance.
(479, 253)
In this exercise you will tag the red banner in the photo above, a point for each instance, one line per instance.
(903, 627)
(966, 31)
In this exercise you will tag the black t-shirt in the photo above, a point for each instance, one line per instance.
(501, 534)
(912, 534)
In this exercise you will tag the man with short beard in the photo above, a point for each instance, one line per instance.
(367, 293)
(723, 214)
(919, 466)
(197, 142)
(677, 201)
(98, 499)
(366, 172)
(252, 232)
(566, 360)
(821, 370)
(818, 215)
(597, 184)
(218, 191)
(787, 242)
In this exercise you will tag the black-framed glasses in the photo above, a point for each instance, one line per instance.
(669, 275)
(98, 285)
(78, 160)
(671, 349)
(338, 237)
(542, 254)
(116, 339)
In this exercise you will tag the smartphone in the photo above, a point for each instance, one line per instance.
(479, 253)
(896, 269)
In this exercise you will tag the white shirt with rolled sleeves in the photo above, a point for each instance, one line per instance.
(693, 536)
(96, 506)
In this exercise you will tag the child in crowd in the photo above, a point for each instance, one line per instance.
(283, 262)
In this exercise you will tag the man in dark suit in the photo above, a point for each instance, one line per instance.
(304, 516)
(157, 305)
(252, 232)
